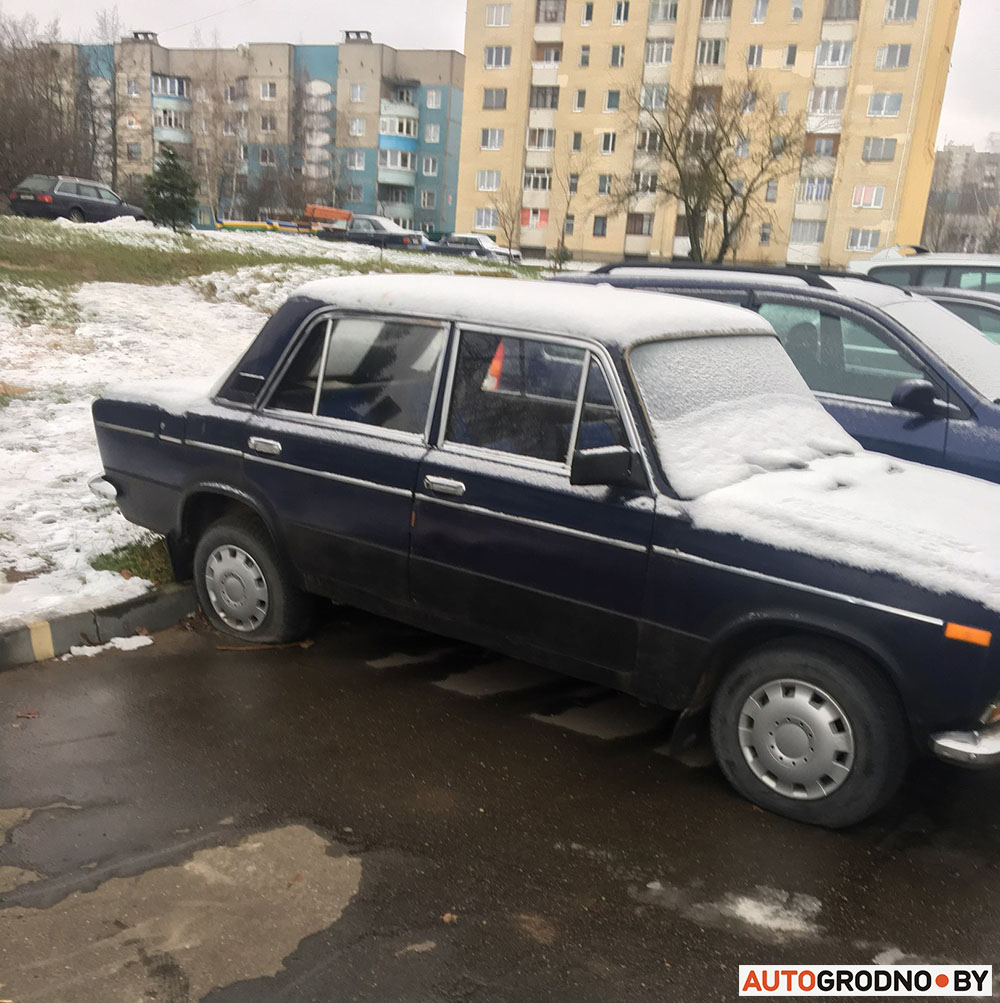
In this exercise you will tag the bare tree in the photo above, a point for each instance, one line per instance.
(571, 195)
(506, 203)
(714, 151)
(104, 90)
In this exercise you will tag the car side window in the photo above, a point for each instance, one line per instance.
(376, 371)
(987, 321)
(87, 191)
(515, 395)
(66, 188)
(967, 278)
(600, 421)
(837, 355)
(107, 195)
(893, 276)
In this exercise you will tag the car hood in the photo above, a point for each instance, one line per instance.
(934, 528)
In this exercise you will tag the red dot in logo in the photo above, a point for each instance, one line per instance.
(942, 980)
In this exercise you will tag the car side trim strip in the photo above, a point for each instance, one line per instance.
(125, 428)
(327, 475)
(537, 523)
(813, 589)
(198, 444)
(170, 438)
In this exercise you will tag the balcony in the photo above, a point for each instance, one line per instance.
(803, 254)
(544, 74)
(397, 176)
(400, 109)
(175, 137)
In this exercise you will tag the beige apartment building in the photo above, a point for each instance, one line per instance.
(551, 97)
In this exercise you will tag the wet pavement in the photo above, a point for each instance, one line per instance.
(389, 816)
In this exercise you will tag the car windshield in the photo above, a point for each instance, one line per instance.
(958, 344)
(725, 408)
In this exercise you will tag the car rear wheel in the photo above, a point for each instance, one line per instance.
(245, 586)
(76, 216)
(810, 730)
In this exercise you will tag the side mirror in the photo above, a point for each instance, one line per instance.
(919, 396)
(608, 465)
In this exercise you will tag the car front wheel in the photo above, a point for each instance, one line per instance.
(810, 730)
(246, 587)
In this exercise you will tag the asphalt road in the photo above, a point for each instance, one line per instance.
(388, 816)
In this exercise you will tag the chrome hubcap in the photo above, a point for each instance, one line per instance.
(236, 588)
(796, 739)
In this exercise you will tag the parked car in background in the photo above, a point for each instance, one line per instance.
(910, 265)
(903, 375)
(476, 245)
(981, 310)
(378, 231)
(51, 196)
(638, 490)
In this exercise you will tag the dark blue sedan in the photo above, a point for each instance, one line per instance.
(635, 489)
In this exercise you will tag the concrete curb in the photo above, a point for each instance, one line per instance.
(155, 610)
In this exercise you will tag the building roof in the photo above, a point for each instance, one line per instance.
(601, 313)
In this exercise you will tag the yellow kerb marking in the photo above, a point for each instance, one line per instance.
(41, 640)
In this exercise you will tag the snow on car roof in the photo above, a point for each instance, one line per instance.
(602, 313)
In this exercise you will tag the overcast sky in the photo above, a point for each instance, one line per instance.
(971, 108)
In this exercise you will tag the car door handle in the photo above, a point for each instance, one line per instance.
(266, 446)
(444, 486)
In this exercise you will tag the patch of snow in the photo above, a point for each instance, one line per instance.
(119, 643)
(771, 910)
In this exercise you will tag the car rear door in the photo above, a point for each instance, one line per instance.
(854, 365)
(503, 543)
(90, 203)
(337, 456)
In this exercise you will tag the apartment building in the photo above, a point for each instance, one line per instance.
(552, 91)
(272, 125)
(963, 209)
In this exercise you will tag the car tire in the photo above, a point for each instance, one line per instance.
(810, 730)
(76, 216)
(245, 587)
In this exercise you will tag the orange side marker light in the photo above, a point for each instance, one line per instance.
(971, 635)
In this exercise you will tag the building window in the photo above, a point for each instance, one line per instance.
(808, 231)
(659, 52)
(133, 151)
(620, 13)
(901, 10)
(771, 192)
(432, 132)
(612, 100)
(766, 229)
(644, 182)
(175, 87)
(544, 97)
(357, 93)
(822, 146)
(537, 179)
(132, 122)
(600, 226)
(392, 126)
(355, 160)
(492, 139)
(661, 11)
(783, 99)
(755, 54)
(863, 240)
(587, 16)
(648, 141)
(892, 57)
(244, 151)
(574, 184)
(868, 196)
(486, 219)
(841, 10)
(268, 123)
(710, 51)
(716, 10)
(834, 53)
(585, 55)
(749, 102)
(428, 199)
(815, 189)
(429, 167)
(795, 13)
(617, 55)
(403, 95)
(791, 54)
(497, 15)
(497, 57)
(742, 147)
(494, 97)
(171, 118)
(268, 90)
(639, 224)
(133, 87)
(884, 105)
(577, 144)
(399, 160)
(653, 97)
(759, 13)
(568, 225)
(579, 101)
(433, 98)
(357, 127)
(355, 193)
(879, 149)
(488, 181)
(608, 140)
(267, 157)
(603, 184)
(541, 139)
(550, 11)
(827, 100)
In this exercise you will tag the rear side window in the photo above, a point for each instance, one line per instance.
(87, 191)
(67, 188)
(893, 276)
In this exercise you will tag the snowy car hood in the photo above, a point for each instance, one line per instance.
(932, 527)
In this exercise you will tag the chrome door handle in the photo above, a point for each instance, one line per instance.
(266, 446)
(444, 486)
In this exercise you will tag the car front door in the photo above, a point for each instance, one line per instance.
(854, 366)
(336, 448)
(503, 544)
